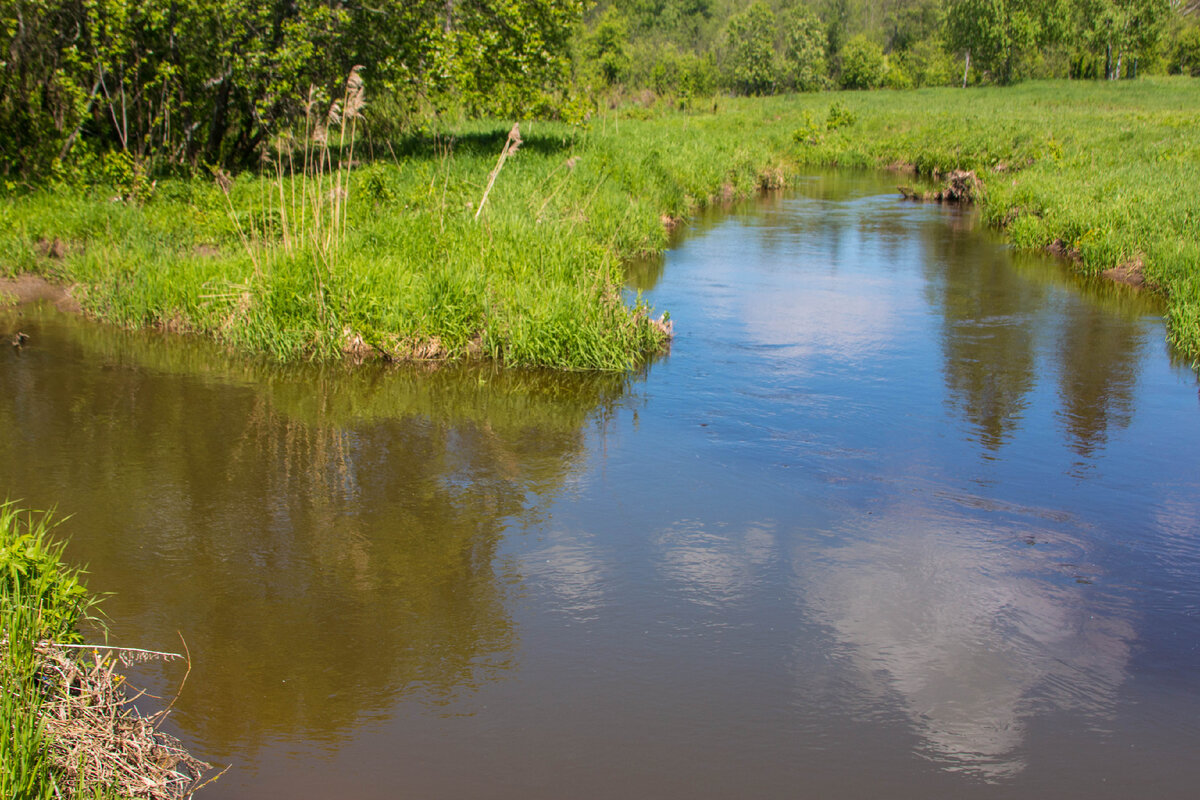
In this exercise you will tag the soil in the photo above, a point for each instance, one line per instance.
(31, 288)
(1131, 273)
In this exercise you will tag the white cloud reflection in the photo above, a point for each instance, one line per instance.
(818, 317)
(710, 565)
(974, 631)
(573, 572)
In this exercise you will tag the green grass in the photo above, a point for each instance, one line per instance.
(1107, 168)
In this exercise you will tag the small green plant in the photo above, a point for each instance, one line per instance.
(839, 117)
(39, 599)
(810, 131)
(31, 570)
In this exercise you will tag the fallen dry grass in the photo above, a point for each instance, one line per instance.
(97, 738)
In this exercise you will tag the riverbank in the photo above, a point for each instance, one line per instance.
(455, 245)
(68, 728)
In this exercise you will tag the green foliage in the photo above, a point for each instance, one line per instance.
(1119, 31)
(671, 72)
(607, 46)
(864, 65)
(997, 32)
(32, 575)
(750, 50)
(804, 66)
(191, 81)
(1184, 58)
(927, 63)
(839, 117)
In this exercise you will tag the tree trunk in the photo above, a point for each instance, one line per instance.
(1108, 62)
(966, 68)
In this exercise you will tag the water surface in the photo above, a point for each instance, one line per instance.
(902, 513)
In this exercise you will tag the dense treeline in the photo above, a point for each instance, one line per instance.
(110, 86)
(193, 81)
(696, 47)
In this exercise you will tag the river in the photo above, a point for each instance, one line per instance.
(902, 513)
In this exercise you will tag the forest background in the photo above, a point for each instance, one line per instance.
(193, 84)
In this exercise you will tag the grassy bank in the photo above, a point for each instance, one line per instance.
(411, 268)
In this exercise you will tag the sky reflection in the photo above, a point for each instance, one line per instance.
(973, 625)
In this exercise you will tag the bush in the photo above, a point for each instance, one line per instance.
(926, 63)
(864, 65)
(750, 50)
(1185, 54)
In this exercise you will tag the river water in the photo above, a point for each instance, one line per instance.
(901, 514)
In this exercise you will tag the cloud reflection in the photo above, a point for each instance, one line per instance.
(710, 565)
(573, 572)
(973, 629)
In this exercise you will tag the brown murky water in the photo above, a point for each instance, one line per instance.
(901, 515)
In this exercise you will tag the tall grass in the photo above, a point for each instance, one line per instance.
(1107, 168)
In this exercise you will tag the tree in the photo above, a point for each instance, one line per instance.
(1116, 28)
(864, 65)
(804, 63)
(750, 43)
(607, 45)
(995, 33)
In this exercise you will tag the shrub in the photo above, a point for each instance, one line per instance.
(864, 65)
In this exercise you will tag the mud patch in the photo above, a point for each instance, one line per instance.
(1060, 248)
(32, 288)
(1131, 273)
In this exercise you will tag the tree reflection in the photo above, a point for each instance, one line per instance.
(325, 540)
(988, 332)
(1098, 356)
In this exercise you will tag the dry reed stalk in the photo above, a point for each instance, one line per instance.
(352, 107)
(510, 147)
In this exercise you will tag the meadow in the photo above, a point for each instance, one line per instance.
(391, 250)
